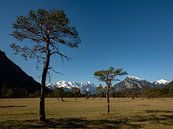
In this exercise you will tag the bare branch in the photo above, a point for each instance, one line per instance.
(51, 68)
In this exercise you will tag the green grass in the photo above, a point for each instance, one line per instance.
(88, 113)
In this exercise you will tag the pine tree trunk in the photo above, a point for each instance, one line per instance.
(43, 84)
(61, 95)
(62, 99)
(107, 97)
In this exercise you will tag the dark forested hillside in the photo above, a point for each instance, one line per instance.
(14, 82)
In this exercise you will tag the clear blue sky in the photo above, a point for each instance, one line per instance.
(136, 35)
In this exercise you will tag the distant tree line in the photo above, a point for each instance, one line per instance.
(154, 92)
(60, 93)
(10, 90)
(16, 92)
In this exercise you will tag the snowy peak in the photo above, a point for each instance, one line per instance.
(135, 78)
(67, 84)
(161, 82)
(84, 87)
(132, 83)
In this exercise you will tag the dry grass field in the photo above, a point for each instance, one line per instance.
(88, 113)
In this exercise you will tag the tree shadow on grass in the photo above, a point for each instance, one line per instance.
(154, 119)
(133, 122)
(90, 124)
(73, 123)
(158, 111)
(12, 106)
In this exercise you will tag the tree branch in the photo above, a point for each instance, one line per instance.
(51, 68)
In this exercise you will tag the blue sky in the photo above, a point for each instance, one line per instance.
(136, 35)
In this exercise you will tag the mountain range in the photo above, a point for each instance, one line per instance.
(129, 83)
(137, 84)
(84, 87)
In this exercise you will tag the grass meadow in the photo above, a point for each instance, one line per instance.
(126, 113)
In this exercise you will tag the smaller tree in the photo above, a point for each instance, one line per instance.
(59, 93)
(100, 91)
(75, 91)
(87, 94)
(108, 76)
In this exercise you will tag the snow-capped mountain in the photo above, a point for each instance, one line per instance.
(88, 87)
(161, 82)
(68, 84)
(137, 84)
(132, 83)
(84, 87)
(135, 78)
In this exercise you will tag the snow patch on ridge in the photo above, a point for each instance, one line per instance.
(135, 78)
(161, 82)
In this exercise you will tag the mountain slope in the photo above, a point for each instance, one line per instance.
(13, 78)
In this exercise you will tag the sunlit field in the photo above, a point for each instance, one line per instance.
(126, 113)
